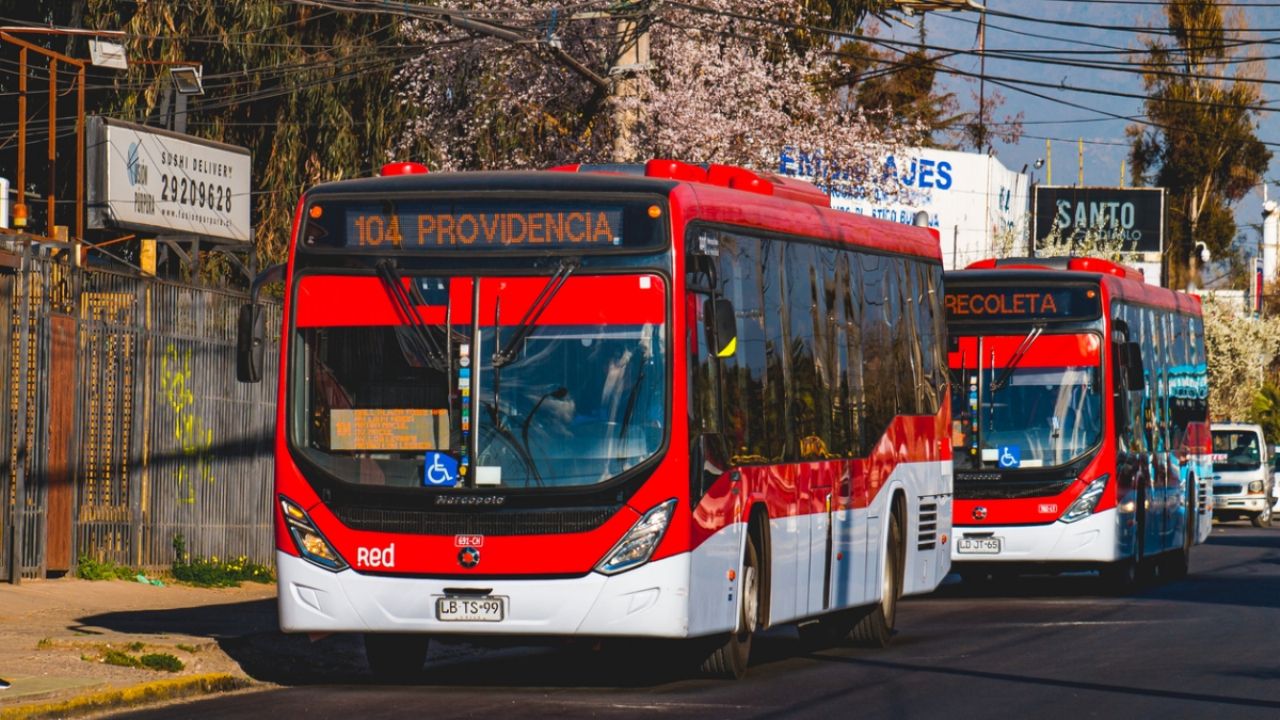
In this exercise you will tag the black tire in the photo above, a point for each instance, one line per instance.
(874, 627)
(828, 630)
(395, 657)
(1120, 577)
(730, 657)
(1262, 519)
(1179, 562)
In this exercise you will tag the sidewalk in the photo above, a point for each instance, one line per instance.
(56, 637)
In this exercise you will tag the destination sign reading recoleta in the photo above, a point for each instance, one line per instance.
(475, 226)
(1012, 303)
(158, 181)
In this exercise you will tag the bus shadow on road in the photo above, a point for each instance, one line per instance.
(1255, 583)
(248, 633)
(1076, 686)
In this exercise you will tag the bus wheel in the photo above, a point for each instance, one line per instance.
(394, 656)
(827, 631)
(1263, 518)
(1120, 577)
(875, 626)
(1179, 561)
(729, 659)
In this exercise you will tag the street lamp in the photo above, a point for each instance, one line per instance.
(187, 81)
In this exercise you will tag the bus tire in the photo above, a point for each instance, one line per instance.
(874, 626)
(730, 657)
(396, 657)
(827, 631)
(1121, 576)
(1179, 562)
(1262, 519)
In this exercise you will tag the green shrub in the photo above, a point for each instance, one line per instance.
(89, 569)
(112, 656)
(151, 661)
(161, 661)
(212, 572)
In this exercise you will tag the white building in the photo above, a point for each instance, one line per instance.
(972, 199)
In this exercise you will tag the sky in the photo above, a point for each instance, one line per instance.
(1088, 116)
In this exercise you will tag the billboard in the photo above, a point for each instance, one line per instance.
(152, 180)
(1136, 213)
(977, 205)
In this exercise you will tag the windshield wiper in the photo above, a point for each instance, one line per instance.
(505, 353)
(1016, 358)
(420, 342)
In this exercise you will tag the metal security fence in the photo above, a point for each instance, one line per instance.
(125, 426)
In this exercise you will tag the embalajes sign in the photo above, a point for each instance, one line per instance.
(1136, 213)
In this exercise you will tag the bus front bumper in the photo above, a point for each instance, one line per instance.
(650, 601)
(1091, 540)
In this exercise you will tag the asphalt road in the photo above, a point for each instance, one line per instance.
(1046, 647)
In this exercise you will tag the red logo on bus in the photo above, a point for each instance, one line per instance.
(979, 513)
(468, 557)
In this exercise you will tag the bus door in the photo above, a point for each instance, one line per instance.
(1133, 472)
(716, 493)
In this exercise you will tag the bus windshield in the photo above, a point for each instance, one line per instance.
(578, 399)
(1025, 401)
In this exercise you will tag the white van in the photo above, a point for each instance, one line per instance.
(1275, 479)
(1242, 473)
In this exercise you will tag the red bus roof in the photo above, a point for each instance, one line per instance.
(737, 196)
(1120, 281)
(711, 193)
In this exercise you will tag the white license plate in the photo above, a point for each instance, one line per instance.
(471, 609)
(980, 545)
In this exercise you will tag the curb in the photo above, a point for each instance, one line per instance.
(145, 693)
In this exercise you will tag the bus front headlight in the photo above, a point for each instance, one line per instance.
(637, 546)
(1255, 487)
(1088, 500)
(310, 543)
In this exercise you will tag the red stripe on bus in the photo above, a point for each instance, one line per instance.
(1046, 351)
(331, 300)
(794, 489)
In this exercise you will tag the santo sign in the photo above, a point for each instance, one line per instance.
(1136, 213)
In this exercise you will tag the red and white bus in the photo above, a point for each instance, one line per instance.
(665, 401)
(1080, 419)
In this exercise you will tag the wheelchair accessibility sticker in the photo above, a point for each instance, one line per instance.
(440, 470)
(1010, 456)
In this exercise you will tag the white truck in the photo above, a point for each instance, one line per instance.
(1243, 484)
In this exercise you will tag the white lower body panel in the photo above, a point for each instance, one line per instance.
(1093, 539)
(651, 601)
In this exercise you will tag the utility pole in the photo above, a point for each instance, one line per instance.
(981, 134)
(632, 59)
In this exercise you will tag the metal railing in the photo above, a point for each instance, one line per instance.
(125, 426)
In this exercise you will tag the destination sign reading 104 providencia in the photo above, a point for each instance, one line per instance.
(475, 227)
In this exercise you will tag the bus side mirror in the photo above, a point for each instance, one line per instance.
(251, 333)
(1137, 379)
(723, 328)
(251, 330)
